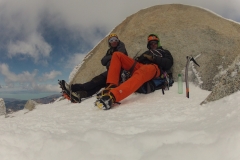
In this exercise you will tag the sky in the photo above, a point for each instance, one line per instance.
(42, 41)
(143, 127)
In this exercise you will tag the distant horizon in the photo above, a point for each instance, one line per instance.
(26, 96)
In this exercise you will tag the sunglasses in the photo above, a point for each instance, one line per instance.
(153, 43)
(113, 39)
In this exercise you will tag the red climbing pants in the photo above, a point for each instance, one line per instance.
(140, 74)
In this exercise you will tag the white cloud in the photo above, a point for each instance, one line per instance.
(108, 13)
(23, 17)
(75, 60)
(27, 81)
(45, 88)
(34, 46)
(51, 75)
(12, 77)
(30, 88)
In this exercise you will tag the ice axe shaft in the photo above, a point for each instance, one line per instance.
(189, 58)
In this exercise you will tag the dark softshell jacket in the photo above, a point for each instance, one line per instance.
(161, 57)
(106, 59)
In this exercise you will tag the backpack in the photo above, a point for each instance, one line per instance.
(163, 82)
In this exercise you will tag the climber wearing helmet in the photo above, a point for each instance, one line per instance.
(144, 68)
(76, 92)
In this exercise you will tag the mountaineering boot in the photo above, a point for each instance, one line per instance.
(82, 94)
(67, 92)
(105, 90)
(66, 96)
(63, 84)
(72, 96)
(106, 101)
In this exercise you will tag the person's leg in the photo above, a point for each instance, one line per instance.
(96, 83)
(77, 87)
(143, 74)
(119, 61)
(89, 93)
(93, 91)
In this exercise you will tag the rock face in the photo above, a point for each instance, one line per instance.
(30, 105)
(183, 30)
(226, 82)
(2, 107)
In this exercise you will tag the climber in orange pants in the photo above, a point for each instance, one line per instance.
(144, 68)
(141, 74)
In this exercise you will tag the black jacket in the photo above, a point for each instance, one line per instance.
(107, 58)
(160, 57)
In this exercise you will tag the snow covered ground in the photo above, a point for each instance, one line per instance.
(142, 127)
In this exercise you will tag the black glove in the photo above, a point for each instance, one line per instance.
(140, 59)
(149, 57)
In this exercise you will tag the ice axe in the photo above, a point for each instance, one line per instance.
(189, 58)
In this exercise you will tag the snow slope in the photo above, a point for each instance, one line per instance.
(142, 127)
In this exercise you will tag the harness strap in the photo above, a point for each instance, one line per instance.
(160, 54)
(132, 68)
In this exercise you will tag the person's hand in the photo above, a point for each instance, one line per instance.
(140, 59)
(149, 57)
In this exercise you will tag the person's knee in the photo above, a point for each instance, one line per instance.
(118, 54)
(100, 79)
(146, 72)
(154, 70)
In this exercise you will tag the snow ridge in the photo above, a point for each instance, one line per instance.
(142, 127)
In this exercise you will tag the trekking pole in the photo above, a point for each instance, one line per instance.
(189, 58)
(167, 78)
(136, 54)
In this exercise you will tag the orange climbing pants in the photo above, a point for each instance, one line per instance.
(141, 74)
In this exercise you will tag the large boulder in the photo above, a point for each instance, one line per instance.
(30, 105)
(183, 30)
(2, 107)
(226, 82)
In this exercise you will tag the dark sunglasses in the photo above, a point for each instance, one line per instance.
(153, 43)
